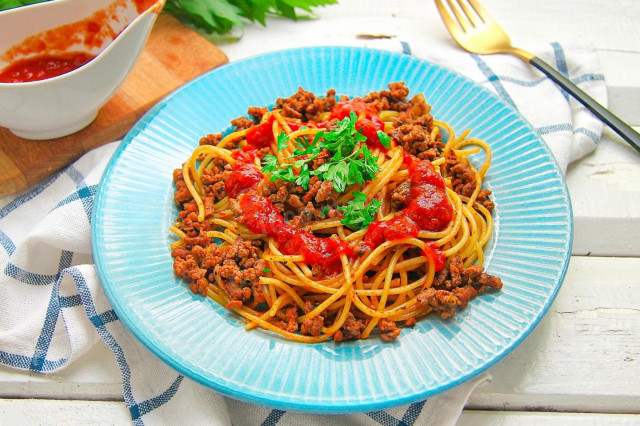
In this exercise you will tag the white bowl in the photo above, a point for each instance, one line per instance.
(67, 103)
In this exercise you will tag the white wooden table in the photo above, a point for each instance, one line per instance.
(582, 363)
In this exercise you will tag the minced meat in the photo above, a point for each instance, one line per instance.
(238, 265)
(305, 106)
(455, 285)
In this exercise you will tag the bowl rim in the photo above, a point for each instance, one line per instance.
(89, 65)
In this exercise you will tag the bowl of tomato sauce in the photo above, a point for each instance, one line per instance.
(62, 60)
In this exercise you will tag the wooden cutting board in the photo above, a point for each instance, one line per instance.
(173, 55)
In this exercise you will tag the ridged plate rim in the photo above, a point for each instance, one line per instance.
(440, 354)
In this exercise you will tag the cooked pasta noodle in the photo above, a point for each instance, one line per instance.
(334, 217)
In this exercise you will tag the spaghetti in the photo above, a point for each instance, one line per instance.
(339, 218)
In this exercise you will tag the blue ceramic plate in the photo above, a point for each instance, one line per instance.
(134, 209)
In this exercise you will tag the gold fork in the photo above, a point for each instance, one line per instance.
(477, 32)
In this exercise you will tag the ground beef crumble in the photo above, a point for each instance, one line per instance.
(401, 195)
(351, 329)
(299, 206)
(238, 265)
(389, 330)
(415, 135)
(455, 285)
(305, 106)
(213, 180)
(463, 180)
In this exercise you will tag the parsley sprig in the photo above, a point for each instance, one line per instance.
(351, 160)
(357, 215)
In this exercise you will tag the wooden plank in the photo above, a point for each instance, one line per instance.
(528, 418)
(585, 353)
(57, 412)
(605, 196)
(78, 412)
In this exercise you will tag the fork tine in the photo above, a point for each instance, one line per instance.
(450, 22)
(481, 11)
(462, 21)
(473, 17)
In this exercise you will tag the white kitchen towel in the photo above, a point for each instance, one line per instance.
(52, 308)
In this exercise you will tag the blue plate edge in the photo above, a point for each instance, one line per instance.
(342, 408)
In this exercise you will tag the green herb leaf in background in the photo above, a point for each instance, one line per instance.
(221, 16)
(10, 4)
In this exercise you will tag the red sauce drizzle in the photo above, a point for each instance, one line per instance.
(142, 5)
(43, 67)
(261, 135)
(438, 256)
(244, 177)
(259, 215)
(428, 209)
(368, 123)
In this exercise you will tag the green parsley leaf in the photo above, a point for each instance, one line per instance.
(358, 216)
(224, 15)
(282, 141)
(384, 139)
(351, 163)
(270, 164)
(304, 146)
(337, 173)
(342, 140)
(10, 4)
(304, 177)
(369, 164)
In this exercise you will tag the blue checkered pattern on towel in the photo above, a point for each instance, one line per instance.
(52, 308)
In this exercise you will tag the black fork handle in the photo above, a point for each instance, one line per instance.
(620, 127)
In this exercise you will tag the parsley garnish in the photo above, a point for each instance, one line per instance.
(384, 139)
(358, 216)
(351, 160)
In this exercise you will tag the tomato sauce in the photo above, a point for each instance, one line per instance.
(142, 5)
(368, 122)
(244, 177)
(396, 228)
(261, 135)
(259, 215)
(342, 110)
(437, 255)
(428, 208)
(43, 67)
(49, 53)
